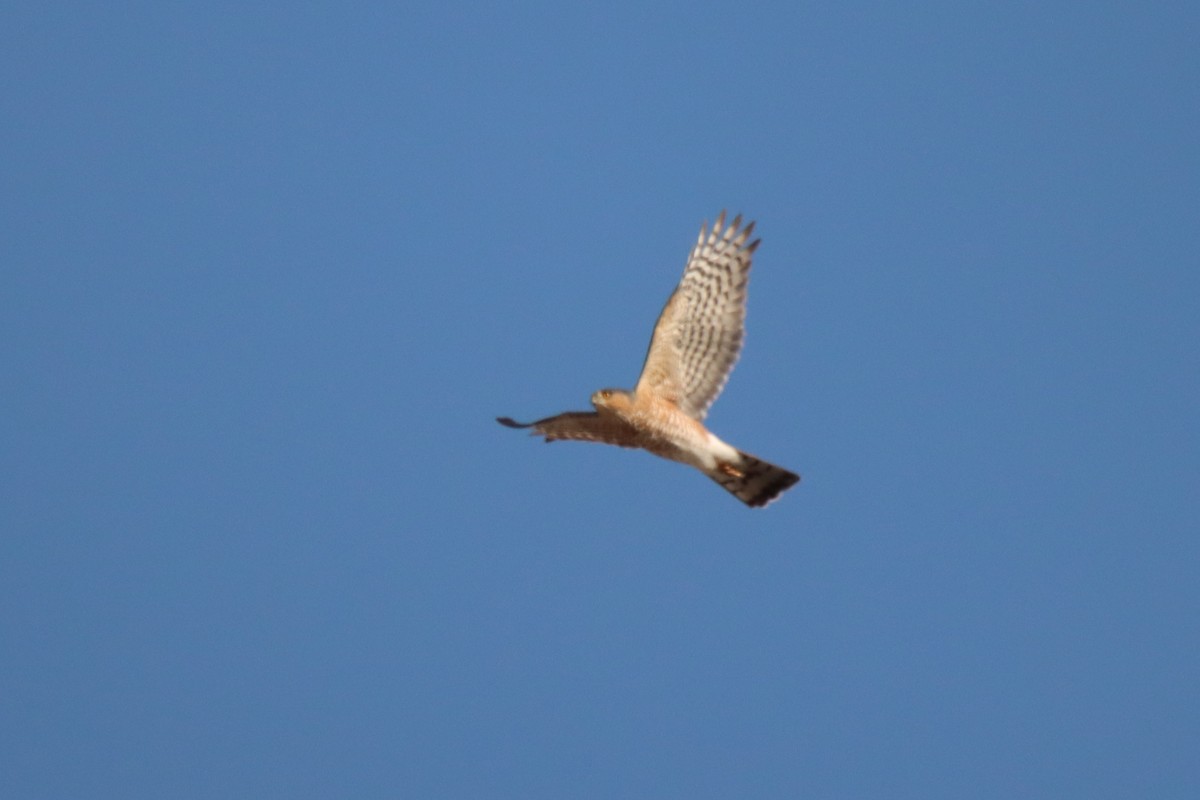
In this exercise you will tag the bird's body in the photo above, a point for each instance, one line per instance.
(695, 344)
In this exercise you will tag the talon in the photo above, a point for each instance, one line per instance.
(731, 470)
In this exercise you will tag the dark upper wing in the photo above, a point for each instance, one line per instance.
(581, 426)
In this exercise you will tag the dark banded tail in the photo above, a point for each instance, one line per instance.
(753, 481)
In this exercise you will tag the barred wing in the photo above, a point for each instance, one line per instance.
(699, 334)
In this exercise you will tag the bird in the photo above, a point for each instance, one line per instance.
(695, 344)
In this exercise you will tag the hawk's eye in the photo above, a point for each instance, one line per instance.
(605, 393)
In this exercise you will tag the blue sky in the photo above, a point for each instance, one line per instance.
(269, 274)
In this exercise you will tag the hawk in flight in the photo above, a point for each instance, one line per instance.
(694, 347)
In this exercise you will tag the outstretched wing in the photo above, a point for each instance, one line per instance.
(582, 426)
(699, 334)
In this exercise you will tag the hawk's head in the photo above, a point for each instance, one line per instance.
(615, 400)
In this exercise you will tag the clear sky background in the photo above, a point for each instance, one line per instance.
(269, 272)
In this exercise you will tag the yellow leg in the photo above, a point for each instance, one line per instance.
(730, 470)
